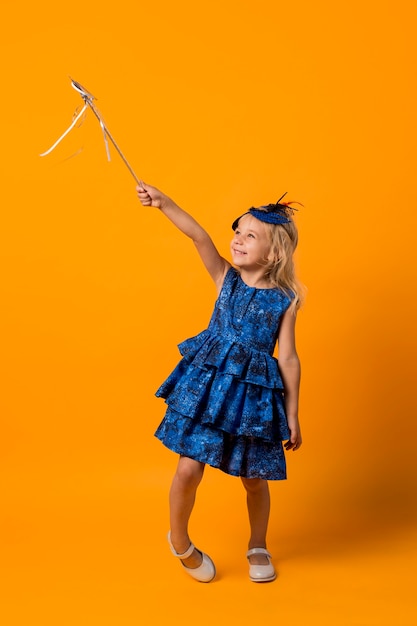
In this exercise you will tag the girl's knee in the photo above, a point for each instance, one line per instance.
(255, 485)
(189, 471)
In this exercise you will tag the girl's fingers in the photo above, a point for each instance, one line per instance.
(143, 194)
(292, 444)
(141, 189)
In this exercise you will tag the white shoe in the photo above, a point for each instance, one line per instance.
(205, 572)
(261, 573)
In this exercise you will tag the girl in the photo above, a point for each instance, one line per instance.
(229, 405)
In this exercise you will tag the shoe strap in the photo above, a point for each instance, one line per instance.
(185, 554)
(258, 551)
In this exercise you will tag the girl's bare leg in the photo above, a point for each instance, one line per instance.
(258, 502)
(181, 499)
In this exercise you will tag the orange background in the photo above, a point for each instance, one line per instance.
(222, 105)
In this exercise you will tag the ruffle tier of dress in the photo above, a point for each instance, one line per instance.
(228, 386)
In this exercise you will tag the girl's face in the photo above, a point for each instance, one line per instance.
(250, 245)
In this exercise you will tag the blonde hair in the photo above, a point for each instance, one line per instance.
(281, 269)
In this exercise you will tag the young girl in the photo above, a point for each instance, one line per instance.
(229, 404)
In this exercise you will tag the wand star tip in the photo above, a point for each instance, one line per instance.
(81, 90)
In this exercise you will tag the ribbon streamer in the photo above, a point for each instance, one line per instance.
(58, 141)
(106, 143)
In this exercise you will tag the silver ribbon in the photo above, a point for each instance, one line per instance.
(58, 141)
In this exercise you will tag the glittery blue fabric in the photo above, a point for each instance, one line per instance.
(225, 397)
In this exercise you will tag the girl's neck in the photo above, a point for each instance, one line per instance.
(257, 279)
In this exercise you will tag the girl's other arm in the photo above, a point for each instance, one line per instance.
(215, 264)
(289, 365)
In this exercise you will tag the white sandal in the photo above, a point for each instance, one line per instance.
(205, 572)
(261, 573)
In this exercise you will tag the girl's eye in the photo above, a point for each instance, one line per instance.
(250, 235)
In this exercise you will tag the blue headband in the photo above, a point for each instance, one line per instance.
(278, 213)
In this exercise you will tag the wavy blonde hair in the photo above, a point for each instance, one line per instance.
(281, 270)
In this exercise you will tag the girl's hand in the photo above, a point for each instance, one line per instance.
(295, 440)
(151, 196)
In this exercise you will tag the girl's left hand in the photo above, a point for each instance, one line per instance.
(295, 440)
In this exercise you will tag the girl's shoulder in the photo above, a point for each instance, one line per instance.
(231, 277)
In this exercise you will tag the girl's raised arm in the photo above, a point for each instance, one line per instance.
(215, 264)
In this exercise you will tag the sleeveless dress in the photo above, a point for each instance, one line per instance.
(226, 397)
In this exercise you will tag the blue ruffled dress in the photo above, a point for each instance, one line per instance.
(226, 397)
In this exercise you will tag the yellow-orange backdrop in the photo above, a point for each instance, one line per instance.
(223, 105)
